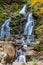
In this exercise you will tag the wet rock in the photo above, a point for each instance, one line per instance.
(1, 49)
(41, 55)
(31, 53)
(17, 63)
(30, 48)
(0, 64)
(35, 43)
(29, 63)
(1, 42)
(40, 63)
(41, 58)
(18, 41)
(36, 63)
(26, 48)
(8, 38)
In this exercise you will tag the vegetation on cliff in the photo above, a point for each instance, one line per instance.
(12, 8)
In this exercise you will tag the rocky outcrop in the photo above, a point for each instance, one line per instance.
(7, 52)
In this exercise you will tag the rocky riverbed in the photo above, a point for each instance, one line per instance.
(10, 46)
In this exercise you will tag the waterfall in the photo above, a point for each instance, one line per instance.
(20, 56)
(29, 26)
(23, 10)
(5, 29)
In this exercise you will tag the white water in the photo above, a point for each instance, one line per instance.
(5, 29)
(23, 10)
(21, 57)
(29, 25)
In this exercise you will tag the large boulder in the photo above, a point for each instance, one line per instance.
(8, 53)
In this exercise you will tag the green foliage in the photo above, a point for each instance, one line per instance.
(34, 2)
(39, 30)
(38, 47)
(13, 7)
(36, 8)
(23, 64)
(2, 14)
(34, 62)
(24, 0)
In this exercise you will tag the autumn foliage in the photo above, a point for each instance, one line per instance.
(34, 2)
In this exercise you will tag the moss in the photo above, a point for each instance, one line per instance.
(24, 0)
(39, 30)
(39, 33)
(34, 62)
(13, 7)
(15, 14)
(38, 47)
(3, 15)
(23, 64)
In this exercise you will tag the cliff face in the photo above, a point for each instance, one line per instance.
(11, 8)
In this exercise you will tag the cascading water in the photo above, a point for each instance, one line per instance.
(5, 29)
(23, 11)
(29, 27)
(20, 56)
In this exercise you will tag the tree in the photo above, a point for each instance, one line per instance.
(34, 2)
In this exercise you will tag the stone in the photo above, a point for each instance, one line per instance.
(1, 49)
(8, 38)
(17, 63)
(41, 53)
(0, 64)
(1, 42)
(40, 57)
(18, 41)
(38, 63)
(28, 63)
(34, 43)
(8, 52)
(9, 48)
(31, 53)
(30, 48)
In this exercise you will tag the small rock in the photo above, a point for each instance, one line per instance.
(8, 38)
(0, 64)
(35, 43)
(39, 63)
(17, 63)
(31, 53)
(41, 53)
(41, 58)
(1, 49)
(30, 48)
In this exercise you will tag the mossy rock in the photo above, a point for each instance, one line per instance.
(38, 47)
